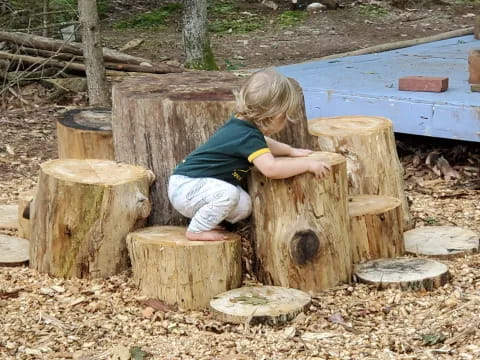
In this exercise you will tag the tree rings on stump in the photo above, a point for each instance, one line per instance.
(272, 305)
(405, 273)
(441, 241)
(8, 216)
(13, 251)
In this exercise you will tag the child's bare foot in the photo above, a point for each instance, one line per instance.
(212, 235)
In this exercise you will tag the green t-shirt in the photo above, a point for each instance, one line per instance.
(227, 155)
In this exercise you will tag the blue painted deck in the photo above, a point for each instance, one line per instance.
(368, 85)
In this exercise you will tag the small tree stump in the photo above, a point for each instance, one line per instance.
(404, 273)
(24, 202)
(376, 227)
(441, 241)
(300, 228)
(13, 251)
(81, 214)
(9, 216)
(368, 144)
(85, 134)
(474, 66)
(168, 267)
(272, 305)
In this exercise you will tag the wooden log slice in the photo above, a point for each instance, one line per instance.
(180, 272)
(300, 228)
(24, 202)
(85, 134)
(441, 241)
(404, 273)
(376, 227)
(9, 216)
(81, 214)
(272, 305)
(160, 120)
(368, 144)
(13, 251)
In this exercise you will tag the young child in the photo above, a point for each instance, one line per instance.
(205, 186)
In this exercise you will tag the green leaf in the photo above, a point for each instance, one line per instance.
(137, 354)
(251, 300)
(433, 339)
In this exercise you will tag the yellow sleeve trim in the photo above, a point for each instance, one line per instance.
(257, 153)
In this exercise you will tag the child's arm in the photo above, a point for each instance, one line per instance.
(280, 149)
(282, 168)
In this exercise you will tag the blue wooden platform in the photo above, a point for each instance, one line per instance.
(368, 85)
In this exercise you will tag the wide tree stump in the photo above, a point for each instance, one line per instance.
(376, 227)
(183, 273)
(300, 228)
(160, 120)
(272, 305)
(85, 134)
(404, 273)
(24, 201)
(9, 216)
(368, 144)
(13, 251)
(81, 214)
(441, 241)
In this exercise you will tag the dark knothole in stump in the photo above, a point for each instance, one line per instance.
(304, 246)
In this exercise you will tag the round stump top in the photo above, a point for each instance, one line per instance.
(94, 172)
(172, 236)
(9, 216)
(13, 250)
(347, 125)
(441, 241)
(328, 157)
(360, 205)
(270, 304)
(95, 119)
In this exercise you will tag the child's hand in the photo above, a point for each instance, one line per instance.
(295, 152)
(319, 168)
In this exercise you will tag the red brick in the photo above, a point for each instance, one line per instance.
(474, 67)
(423, 83)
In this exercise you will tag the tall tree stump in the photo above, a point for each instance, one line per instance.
(368, 144)
(81, 214)
(376, 227)
(300, 228)
(85, 134)
(168, 267)
(158, 121)
(24, 201)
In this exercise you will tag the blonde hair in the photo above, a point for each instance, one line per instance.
(265, 95)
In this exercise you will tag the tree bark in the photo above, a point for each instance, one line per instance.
(300, 228)
(24, 202)
(92, 48)
(198, 53)
(81, 214)
(168, 267)
(45, 17)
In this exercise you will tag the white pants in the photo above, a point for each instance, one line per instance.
(208, 201)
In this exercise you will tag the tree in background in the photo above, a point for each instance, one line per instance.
(198, 53)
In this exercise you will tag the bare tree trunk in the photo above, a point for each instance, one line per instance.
(92, 51)
(45, 17)
(198, 54)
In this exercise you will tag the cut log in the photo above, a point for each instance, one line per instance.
(9, 216)
(376, 227)
(300, 228)
(404, 273)
(368, 144)
(273, 305)
(474, 66)
(13, 251)
(168, 267)
(85, 134)
(160, 120)
(441, 241)
(81, 214)
(24, 202)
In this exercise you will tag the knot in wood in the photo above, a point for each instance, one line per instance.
(304, 246)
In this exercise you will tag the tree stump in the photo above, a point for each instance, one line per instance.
(474, 66)
(272, 305)
(441, 241)
(85, 134)
(300, 228)
(9, 216)
(158, 121)
(404, 273)
(24, 201)
(81, 214)
(368, 144)
(376, 227)
(168, 267)
(13, 251)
